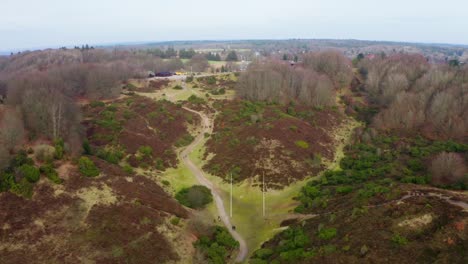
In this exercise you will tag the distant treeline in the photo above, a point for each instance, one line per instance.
(189, 53)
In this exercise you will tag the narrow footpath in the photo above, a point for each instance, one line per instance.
(207, 127)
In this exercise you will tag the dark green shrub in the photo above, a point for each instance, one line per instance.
(293, 243)
(20, 158)
(30, 172)
(415, 179)
(185, 140)
(211, 80)
(112, 108)
(128, 169)
(175, 221)
(159, 164)
(344, 189)
(217, 246)
(110, 155)
(50, 173)
(264, 253)
(6, 181)
(87, 167)
(109, 121)
(128, 114)
(23, 188)
(195, 99)
(399, 240)
(97, 104)
(145, 151)
(371, 189)
(257, 261)
(177, 87)
(166, 183)
(327, 233)
(195, 197)
(87, 147)
(235, 171)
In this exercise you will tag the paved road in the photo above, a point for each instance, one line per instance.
(207, 128)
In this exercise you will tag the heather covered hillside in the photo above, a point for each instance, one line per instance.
(327, 158)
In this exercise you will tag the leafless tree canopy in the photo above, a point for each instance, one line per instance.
(331, 63)
(448, 168)
(312, 84)
(41, 89)
(414, 95)
(198, 63)
(11, 129)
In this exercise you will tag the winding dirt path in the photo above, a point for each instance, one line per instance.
(207, 127)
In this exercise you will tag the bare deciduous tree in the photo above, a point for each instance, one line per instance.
(276, 81)
(448, 168)
(331, 63)
(11, 129)
(415, 96)
(198, 63)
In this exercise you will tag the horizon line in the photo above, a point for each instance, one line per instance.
(149, 42)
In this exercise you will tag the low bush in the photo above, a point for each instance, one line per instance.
(175, 221)
(217, 246)
(293, 245)
(44, 153)
(145, 151)
(87, 167)
(159, 164)
(87, 147)
(23, 188)
(195, 99)
(264, 253)
(327, 233)
(344, 189)
(184, 140)
(372, 189)
(302, 144)
(110, 155)
(19, 159)
(195, 197)
(399, 240)
(166, 183)
(128, 169)
(97, 104)
(29, 172)
(51, 174)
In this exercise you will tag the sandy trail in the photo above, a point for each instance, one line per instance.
(207, 128)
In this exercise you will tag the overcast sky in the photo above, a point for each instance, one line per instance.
(51, 23)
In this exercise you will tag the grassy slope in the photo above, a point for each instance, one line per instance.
(247, 200)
